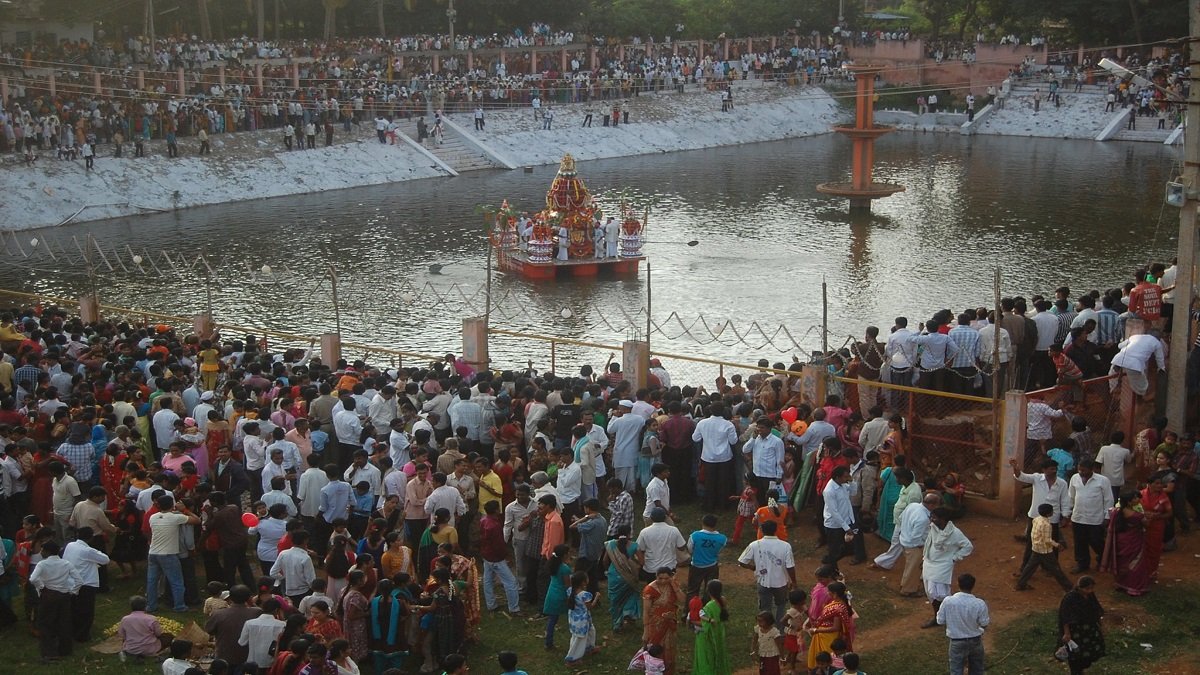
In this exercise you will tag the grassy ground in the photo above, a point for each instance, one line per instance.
(1020, 640)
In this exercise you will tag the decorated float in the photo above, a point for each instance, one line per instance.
(571, 236)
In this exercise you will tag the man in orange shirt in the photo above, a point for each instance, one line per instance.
(1145, 300)
(553, 533)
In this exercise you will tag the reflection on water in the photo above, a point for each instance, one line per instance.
(1048, 213)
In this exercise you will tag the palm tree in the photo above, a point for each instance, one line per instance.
(331, 8)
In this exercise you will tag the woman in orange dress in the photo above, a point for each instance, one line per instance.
(773, 512)
(662, 601)
(216, 436)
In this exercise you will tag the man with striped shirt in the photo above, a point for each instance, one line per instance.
(966, 360)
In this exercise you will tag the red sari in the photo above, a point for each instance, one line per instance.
(112, 474)
(1157, 505)
(1125, 553)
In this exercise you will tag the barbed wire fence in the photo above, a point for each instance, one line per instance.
(369, 294)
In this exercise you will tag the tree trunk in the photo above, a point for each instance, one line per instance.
(1137, 21)
(205, 24)
(379, 9)
(259, 18)
(330, 21)
(148, 23)
(276, 23)
(968, 16)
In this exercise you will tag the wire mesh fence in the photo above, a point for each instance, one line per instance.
(946, 434)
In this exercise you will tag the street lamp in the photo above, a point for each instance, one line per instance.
(451, 14)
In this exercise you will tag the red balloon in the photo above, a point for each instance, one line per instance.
(249, 520)
(789, 416)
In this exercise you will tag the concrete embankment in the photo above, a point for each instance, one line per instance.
(254, 165)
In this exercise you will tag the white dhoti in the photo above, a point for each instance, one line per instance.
(888, 559)
(562, 249)
(1138, 381)
(935, 591)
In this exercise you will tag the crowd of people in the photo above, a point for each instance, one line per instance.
(342, 514)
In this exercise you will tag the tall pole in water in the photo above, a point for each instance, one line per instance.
(1185, 278)
(824, 319)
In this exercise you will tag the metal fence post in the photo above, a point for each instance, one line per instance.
(553, 369)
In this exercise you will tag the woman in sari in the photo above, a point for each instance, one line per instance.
(112, 469)
(889, 495)
(354, 610)
(624, 606)
(1156, 505)
(1079, 616)
(40, 492)
(442, 621)
(712, 656)
(836, 620)
(216, 436)
(894, 443)
(466, 577)
(662, 601)
(388, 616)
(321, 623)
(1125, 548)
(438, 532)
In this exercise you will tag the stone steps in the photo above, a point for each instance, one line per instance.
(1152, 134)
(453, 151)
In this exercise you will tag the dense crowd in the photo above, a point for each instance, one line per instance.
(342, 514)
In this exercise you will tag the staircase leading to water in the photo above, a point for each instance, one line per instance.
(452, 150)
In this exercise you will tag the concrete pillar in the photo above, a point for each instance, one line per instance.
(774, 42)
(53, 84)
(725, 50)
(179, 81)
(648, 46)
(221, 75)
(533, 62)
(475, 343)
(635, 362)
(592, 57)
(699, 50)
(437, 63)
(471, 60)
(1013, 428)
(813, 384)
(97, 87)
(563, 58)
(621, 53)
(331, 348)
(202, 325)
(295, 76)
(258, 77)
(89, 309)
(3, 89)
(674, 49)
(141, 80)
(503, 58)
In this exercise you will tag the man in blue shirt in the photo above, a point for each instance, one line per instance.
(705, 546)
(336, 498)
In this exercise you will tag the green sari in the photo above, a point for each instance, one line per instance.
(712, 656)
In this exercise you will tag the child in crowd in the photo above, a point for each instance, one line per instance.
(747, 505)
(766, 646)
(850, 667)
(837, 647)
(218, 598)
(793, 630)
(695, 604)
(178, 663)
(824, 664)
(508, 661)
(318, 593)
(1064, 456)
(651, 452)
(1082, 435)
(579, 620)
(649, 659)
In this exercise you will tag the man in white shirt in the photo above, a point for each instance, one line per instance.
(308, 492)
(658, 493)
(764, 455)
(913, 528)
(362, 469)
(874, 431)
(348, 430)
(1089, 499)
(1113, 458)
(275, 469)
(280, 493)
(445, 497)
(774, 567)
(1047, 489)
(295, 567)
(1133, 360)
(626, 431)
(87, 562)
(944, 546)
(965, 618)
(570, 485)
(900, 354)
(718, 436)
(398, 443)
(383, 410)
(838, 519)
(163, 422)
(56, 582)
(657, 544)
(258, 633)
(987, 354)
(514, 515)
(163, 558)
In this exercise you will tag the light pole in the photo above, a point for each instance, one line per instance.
(451, 13)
